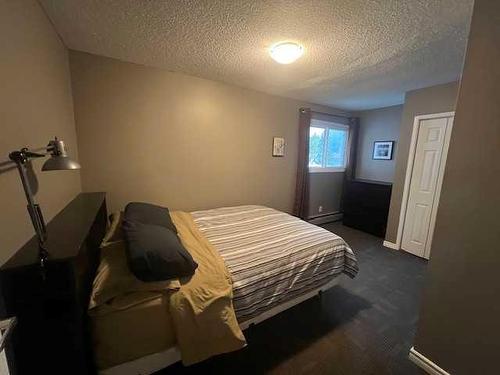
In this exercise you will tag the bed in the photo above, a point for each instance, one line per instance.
(275, 261)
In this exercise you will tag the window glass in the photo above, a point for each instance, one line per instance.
(327, 146)
(336, 150)
(316, 146)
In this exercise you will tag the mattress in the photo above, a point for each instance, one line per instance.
(122, 334)
(273, 257)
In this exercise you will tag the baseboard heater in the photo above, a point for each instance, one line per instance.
(325, 218)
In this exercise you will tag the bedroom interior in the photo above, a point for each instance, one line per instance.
(260, 187)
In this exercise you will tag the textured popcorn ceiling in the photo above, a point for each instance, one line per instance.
(358, 54)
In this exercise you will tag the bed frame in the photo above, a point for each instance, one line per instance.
(157, 361)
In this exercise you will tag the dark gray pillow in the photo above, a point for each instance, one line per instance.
(147, 213)
(155, 253)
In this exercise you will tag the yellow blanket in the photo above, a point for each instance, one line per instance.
(202, 309)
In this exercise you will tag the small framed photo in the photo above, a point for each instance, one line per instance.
(382, 150)
(278, 146)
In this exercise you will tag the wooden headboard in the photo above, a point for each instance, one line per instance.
(52, 335)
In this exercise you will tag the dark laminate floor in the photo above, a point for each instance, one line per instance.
(363, 326)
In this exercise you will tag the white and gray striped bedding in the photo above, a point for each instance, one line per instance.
(273, 257)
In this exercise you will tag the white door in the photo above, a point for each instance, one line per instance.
(425, 183)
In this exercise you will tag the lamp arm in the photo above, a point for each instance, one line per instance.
(56, 149)
(21, 157)
(24, 155)
(32, 154)
(33, 208)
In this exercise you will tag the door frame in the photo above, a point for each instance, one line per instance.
(409, 172)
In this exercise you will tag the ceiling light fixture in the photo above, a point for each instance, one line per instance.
(286, 52)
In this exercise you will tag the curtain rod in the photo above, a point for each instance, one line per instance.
(324, 113)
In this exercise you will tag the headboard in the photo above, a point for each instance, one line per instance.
(52, 335)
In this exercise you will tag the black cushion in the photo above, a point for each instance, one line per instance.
(155, 253)
(147, 213)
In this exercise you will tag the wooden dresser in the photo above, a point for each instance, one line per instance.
(52, 335)
(366, 205)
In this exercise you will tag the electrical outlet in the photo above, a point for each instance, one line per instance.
(320, 209)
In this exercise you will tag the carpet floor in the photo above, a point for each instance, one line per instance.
(364, 325)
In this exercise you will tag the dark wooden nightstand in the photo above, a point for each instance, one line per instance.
(366, 205)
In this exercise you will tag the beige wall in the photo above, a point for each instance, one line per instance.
(459, 320)
(325, 191)
(380, 124)
(35, 105)
(184, 142)
(435, 99)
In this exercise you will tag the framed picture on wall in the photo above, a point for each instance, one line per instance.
(382, 150)
(278, 146)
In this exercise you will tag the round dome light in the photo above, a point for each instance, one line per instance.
(286, 52)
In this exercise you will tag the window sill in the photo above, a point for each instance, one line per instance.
(325, 170)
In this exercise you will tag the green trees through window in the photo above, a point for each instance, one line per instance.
(327, 145)
(316, 146)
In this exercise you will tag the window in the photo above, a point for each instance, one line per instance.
(327, 146)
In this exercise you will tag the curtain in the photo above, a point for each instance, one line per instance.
(350, 171)
(301, 205)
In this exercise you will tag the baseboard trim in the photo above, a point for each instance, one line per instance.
(327, 218)
(425, 363)
(391, 245)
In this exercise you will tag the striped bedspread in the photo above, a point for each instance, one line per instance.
(273, 257)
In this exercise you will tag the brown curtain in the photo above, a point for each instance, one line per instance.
(301, 206)
(350, 171)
